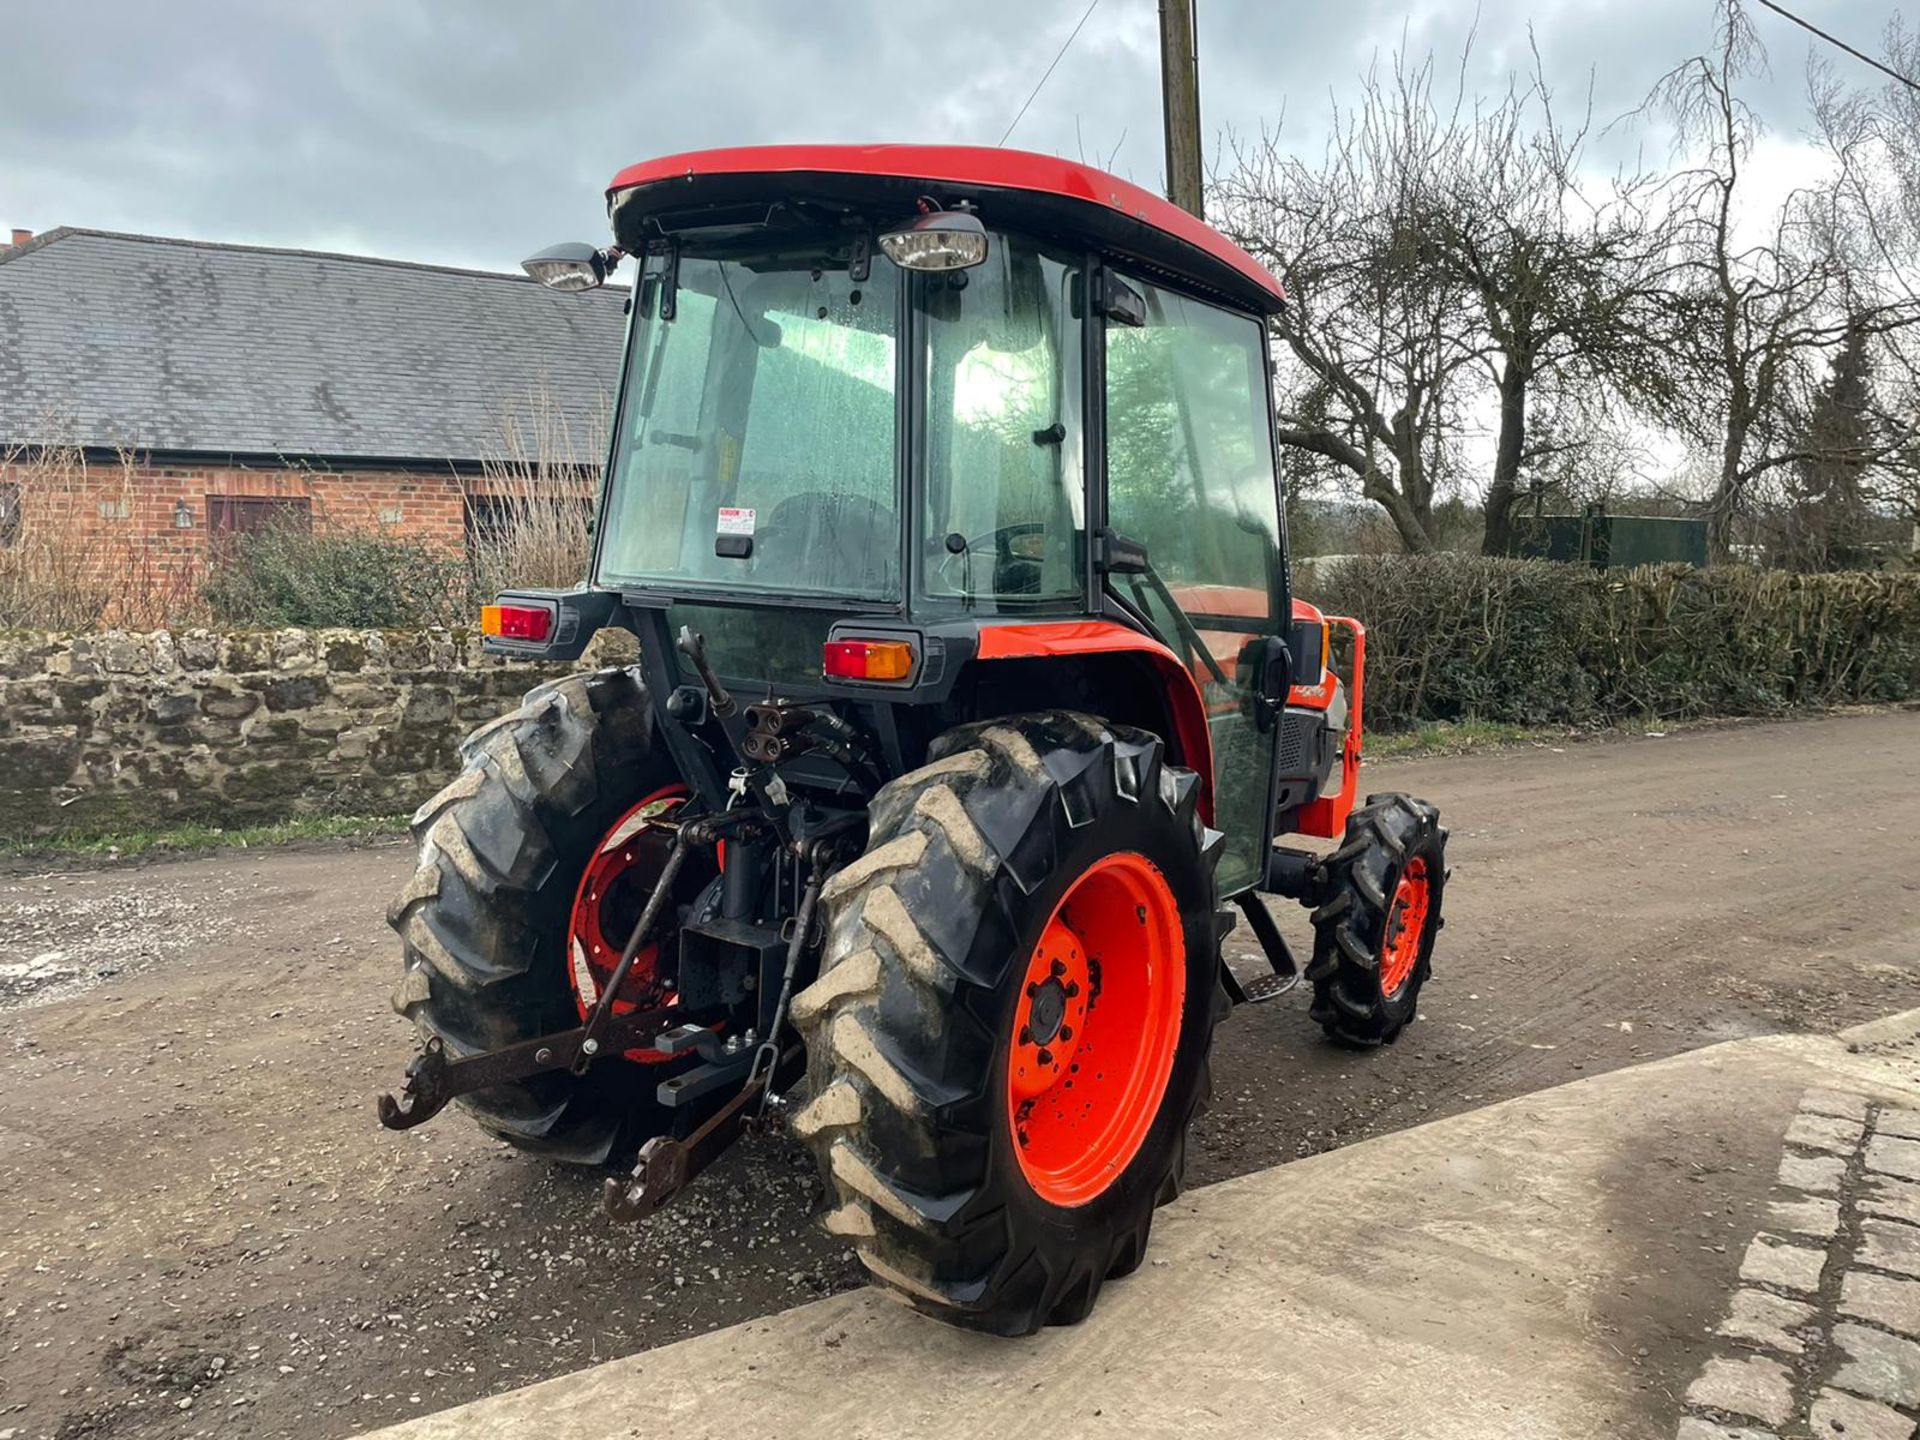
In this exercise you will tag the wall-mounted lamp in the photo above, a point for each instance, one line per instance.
(182, 515)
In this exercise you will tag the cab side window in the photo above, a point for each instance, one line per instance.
(1190, 475)
(1190, 459)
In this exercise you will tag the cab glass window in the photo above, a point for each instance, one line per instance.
(756, 451)
(1002, 516)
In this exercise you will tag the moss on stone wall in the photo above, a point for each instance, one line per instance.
(136, 730)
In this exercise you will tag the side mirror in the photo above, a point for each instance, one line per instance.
(571, 266)
(1310, 642)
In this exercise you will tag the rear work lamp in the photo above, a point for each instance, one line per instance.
(884, 660)
(516, 622)
(572, 267)
(941, 240)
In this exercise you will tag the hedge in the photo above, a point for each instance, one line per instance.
(1456, 637)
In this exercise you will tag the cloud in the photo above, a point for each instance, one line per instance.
(476, 132)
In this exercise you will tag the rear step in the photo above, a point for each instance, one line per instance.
(1267, 987)
(1286, 970)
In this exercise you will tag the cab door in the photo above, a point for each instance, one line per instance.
(1190, 475)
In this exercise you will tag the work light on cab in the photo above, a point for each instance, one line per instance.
(572, 266)
(939, 240)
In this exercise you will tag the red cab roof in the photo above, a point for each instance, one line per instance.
(968, 165)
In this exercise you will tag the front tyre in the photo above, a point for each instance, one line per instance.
(1009, 1037)
(1373, 935)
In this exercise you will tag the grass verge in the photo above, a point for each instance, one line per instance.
(193, 839)
(1461, 737)
(1465, 737)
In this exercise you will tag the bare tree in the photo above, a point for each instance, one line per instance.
(1763, 318)
(1872, 215)
(1376, 336)
(1586, 446)
(1442, 261)
(1568, 275)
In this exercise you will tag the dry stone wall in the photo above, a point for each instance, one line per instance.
(120, 730)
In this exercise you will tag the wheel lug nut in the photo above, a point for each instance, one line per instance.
(1058, 967)
(1073, 988)
(1066, 1032)
(1046, 1057)
(1026, 1035)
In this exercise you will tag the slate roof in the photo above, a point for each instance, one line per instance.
(183, 346)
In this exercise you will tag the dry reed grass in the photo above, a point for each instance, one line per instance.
(70, 555)
(535, 498)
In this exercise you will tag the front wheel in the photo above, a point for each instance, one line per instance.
(1373, 935)
(1009, 1037)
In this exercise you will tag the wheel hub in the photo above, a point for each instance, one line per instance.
(1406, 928)
(1053, 1008)
(1049, 1008)
(619, 877)
(1096, 1024)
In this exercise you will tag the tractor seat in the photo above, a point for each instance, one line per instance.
(824, 539)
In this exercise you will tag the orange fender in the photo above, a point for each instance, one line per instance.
(1066, 638)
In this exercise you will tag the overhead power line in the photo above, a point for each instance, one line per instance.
(1043, 79)
(1906, 80)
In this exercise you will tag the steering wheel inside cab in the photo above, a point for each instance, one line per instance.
(1017, 554)
(829, 534)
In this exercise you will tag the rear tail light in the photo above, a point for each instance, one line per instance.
(516, 622)
(888, 660)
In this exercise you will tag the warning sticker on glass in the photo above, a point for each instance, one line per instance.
(735, 521)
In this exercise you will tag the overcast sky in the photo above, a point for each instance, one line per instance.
(475, 131)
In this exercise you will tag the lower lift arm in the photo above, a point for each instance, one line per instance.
(433, 1079)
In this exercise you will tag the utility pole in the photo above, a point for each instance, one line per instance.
(1180, 103)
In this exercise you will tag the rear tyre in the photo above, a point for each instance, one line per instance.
(1009, 1037)
(484, 920)
(1373, 935)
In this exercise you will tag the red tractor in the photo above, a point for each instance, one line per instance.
(972, 698)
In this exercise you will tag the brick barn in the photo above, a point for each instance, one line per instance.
(216, 388)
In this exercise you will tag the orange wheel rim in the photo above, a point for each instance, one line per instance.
(1096, 1026)
(1406, 927)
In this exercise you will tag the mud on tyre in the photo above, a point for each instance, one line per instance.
(484, 919)
(939, 1007)
(1373, 934)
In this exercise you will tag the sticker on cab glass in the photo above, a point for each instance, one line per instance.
(735, 521)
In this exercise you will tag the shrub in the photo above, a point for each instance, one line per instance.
(69, 556)
(1454, 637)
(289, 575)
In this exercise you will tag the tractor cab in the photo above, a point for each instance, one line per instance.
(972, 692)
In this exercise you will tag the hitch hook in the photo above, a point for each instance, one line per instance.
(659, 1174)
(424, 1095)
